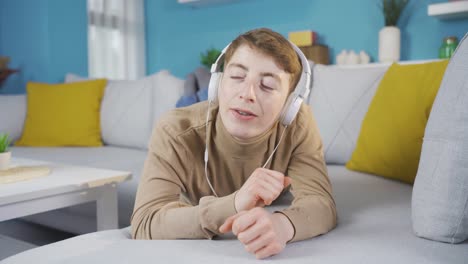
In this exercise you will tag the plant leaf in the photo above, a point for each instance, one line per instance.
(392, 10)
(4, 142)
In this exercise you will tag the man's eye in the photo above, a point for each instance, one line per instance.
(235, 77)
(266, 87)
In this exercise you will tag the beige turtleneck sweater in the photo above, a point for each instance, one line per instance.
(174, 199)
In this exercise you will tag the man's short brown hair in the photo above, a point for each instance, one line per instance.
(272, 44)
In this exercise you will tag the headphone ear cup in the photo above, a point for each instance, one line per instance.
(213, 86)
(291, 108)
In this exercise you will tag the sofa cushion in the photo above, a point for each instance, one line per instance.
(374, 226)
(440, 194)
(130, 107)
(12, 115)
(126, 113)
(71, 77)
(63, 114)
(168, 90)
(339, 98)
(390, 140)
(126, 118)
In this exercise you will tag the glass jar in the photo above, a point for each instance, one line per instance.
(449, 44)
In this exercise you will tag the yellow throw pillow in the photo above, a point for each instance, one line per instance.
(63, 114)
(390, 139)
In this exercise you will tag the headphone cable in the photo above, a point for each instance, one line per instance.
(274, 150)
(206, 150)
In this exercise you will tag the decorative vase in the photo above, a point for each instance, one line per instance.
(389, 44)
(5, 158)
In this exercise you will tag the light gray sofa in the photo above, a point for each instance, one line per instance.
(374, 226)
(374, 213)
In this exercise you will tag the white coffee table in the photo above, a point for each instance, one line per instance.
(66, 185)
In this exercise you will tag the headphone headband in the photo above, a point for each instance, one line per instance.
(303, 86)
(215, 66)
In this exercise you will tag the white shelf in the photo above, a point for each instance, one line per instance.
(198, 3)
(449, 10)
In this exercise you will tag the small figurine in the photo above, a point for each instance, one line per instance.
(352, 58)
(342, 57)
(365, 58)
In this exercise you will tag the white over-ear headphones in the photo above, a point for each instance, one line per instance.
(290, 109)
(295, 99)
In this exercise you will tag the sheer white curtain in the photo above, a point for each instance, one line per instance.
(116, 39)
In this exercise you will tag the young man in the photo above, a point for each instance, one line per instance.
(178, 197)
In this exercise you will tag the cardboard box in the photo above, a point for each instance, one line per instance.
(303, 38)
(317, 53)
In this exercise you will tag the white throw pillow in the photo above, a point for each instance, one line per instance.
(12, 115)
(167, 90)
(339, 98)
(126, 113)
(71, 77)
(129, 109)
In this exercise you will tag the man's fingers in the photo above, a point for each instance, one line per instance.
(227, 225)
(287, 181)
(243, 222)
(266, 195)
(274, 183)
(275, 174)
(266, 192)
(274, 189)
(269, 250)
(253, 236)
(259, 242)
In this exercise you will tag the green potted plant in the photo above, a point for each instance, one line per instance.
(5, 154)
(209, 57)
(390, 35)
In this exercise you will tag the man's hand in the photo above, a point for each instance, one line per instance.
(261, 188)
(262, 233)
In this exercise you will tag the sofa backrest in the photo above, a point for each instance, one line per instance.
(128, 111)
(339, 98)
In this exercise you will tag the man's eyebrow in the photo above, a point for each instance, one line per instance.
(275, 76)
(268, 74)
(238, 65)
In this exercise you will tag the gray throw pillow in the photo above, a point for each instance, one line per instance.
(440, 192)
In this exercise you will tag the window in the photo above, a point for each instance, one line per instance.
(116, 39)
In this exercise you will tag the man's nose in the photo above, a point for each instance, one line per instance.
(248, 92)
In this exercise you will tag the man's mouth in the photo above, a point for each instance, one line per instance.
(244, 112)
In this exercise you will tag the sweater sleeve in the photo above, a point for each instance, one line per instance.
(159, 212)
(313, 210)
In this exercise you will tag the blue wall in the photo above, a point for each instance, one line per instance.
(48, 38)
(23, 35)
(176, 34)
(44, 39)
(68, 38)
